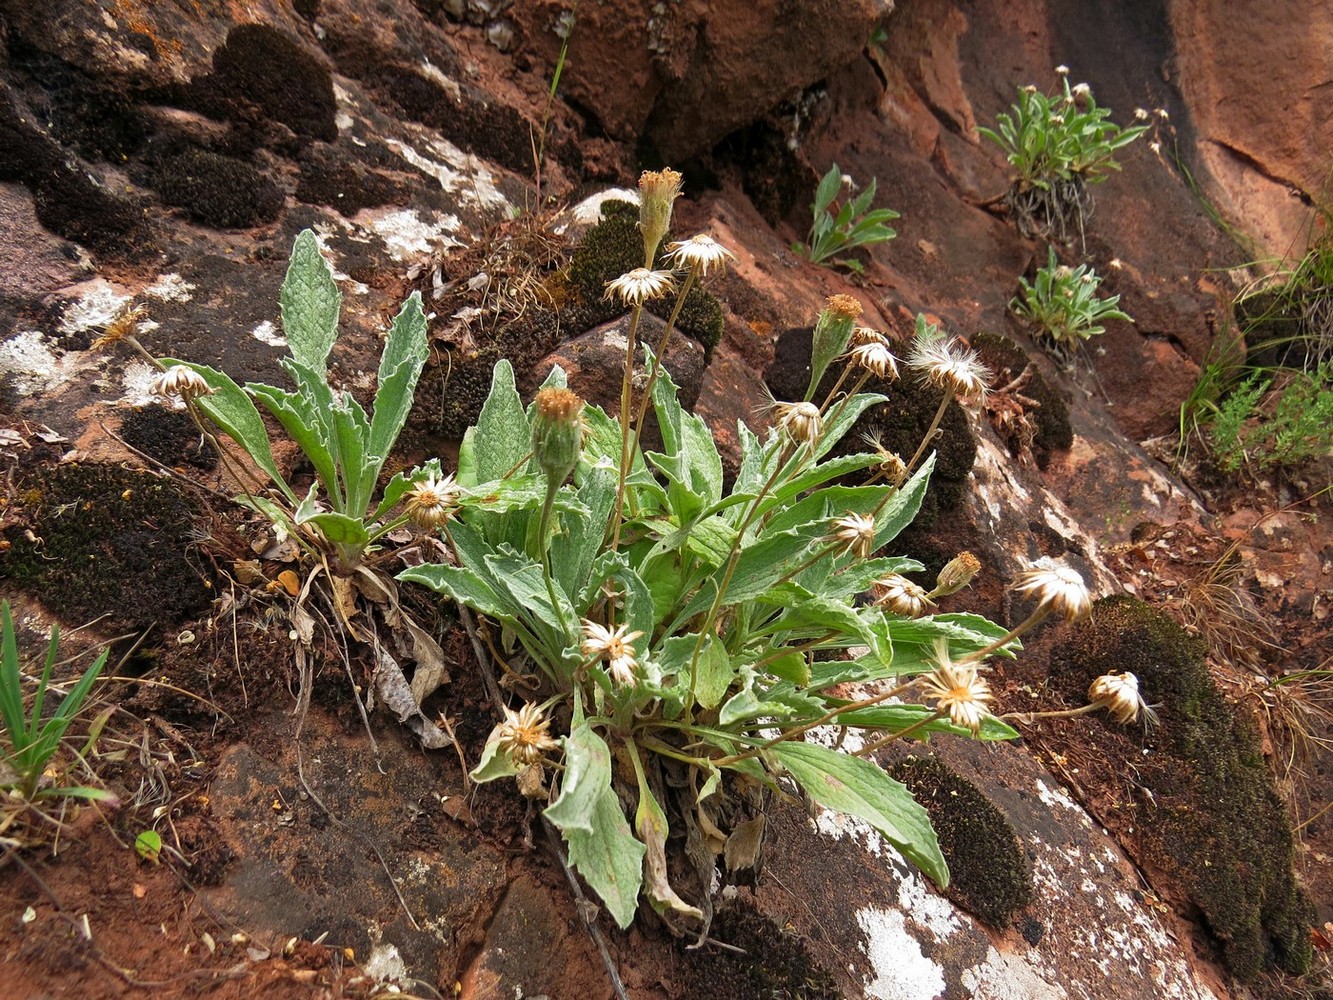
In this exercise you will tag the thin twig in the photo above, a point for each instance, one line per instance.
(586, 910)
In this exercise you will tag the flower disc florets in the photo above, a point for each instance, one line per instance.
(638, 286)
(433, 501)
(699, 253)
(900, 595)
(1059, 589)
(1119, 695)
(615, 647)
(180, 382)
(946, 364)
(855, 533)
(958, 690)
(557, 431)
(525, 736)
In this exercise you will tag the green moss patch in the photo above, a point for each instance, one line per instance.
(991, 877)
(1212, 822)
(776, 964)
(263, 72)
(218, 191)
(106, 542)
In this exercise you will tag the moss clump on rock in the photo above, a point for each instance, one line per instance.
(265, 71)
(218, 191)
(1007, 361)
(168, 436)
(102, 540)
(1214, 824)
(775, 965)
(990, 876)
(613, 247)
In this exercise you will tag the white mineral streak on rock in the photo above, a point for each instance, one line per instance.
(1056, 797)
(457, 172)
(99, 304)
(385, 965)
(30, 361)
(170, 288)
(409, 235)
(901, 970)
(137, 378)
(267, 333)
(1009, 977)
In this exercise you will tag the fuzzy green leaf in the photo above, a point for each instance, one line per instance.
(310, 302)
(587, 812)
(860, 788)
(404, 355)
(232, 410)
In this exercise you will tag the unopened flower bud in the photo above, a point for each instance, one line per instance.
(957, 574)
(658, 191)
(557, 432)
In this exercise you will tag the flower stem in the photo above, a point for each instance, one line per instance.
(828, 716)
(659, 355)
(930, 431)
(915, 727)
(1004, 640)
(626, 399)
(544, 540)
(1027, 718)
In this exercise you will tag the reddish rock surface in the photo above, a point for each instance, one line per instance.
(401, 132)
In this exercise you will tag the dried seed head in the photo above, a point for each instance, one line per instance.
(699, 253)
(946, 364)
(1058, 589)
(637, 286)
(855, 533)
(1081, 91)
(557, 431)
(957, 690)
(1057, 119)
(125, 324)
(658, 191)
(615, 647)
(525, 736)
(863, 335)
(1062, 70)
(1119, 695)
(891, 465)
(180, 382)
(957, 574)
(1141, 114)
(432, 501)
(798, 421)
(875, 358)
(900, 595)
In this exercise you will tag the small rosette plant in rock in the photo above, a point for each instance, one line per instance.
(1063, 306)
(1058, 146)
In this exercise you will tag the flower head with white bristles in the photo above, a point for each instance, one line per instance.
(638, 286)
(701, 254)
(1058, 589)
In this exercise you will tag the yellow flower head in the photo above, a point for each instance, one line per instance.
(432, 501)
(525, 736)
(957, 689)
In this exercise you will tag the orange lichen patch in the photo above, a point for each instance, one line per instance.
(134, 15)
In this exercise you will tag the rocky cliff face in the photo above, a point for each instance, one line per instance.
(164, 155)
